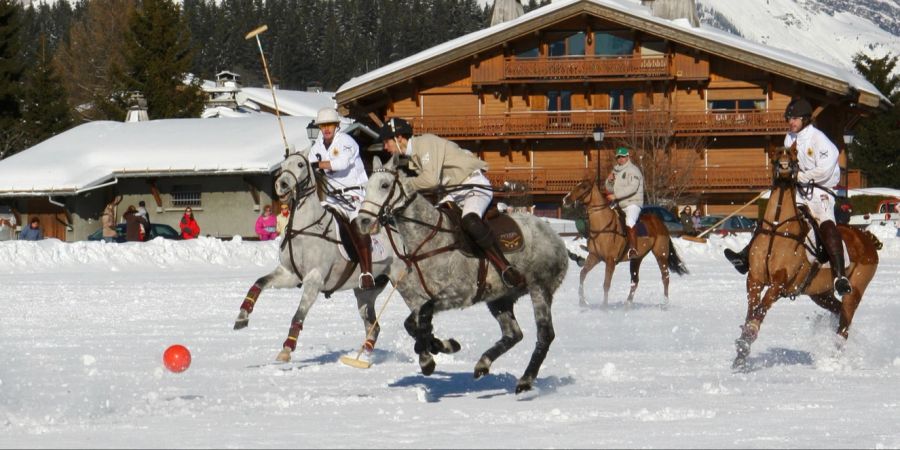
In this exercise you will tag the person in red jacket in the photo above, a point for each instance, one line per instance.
(189, 227)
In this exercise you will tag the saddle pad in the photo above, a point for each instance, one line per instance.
(380, 251)
(507, 231)
(641, 229)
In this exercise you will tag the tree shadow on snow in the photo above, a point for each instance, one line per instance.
(778, 357)
(460, 384)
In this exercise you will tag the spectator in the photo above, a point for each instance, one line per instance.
(134, 225)
(7, 224)
(283, 219)
(33, 231)
(266, 225)
(696, 220)
(142, 212)
(687, 222)
(108, 220)
(189, 227)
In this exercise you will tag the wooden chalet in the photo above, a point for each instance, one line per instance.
(527, 94)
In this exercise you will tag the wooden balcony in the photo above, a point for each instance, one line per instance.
(512, 70)
(559, 181)
(580, 124)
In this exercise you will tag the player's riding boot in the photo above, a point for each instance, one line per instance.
(363, 245)
(831, 239)
(740, 260)
(479, 231)
(632, 242)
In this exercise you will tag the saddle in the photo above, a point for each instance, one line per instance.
(640, 227)
(505, 229)
(344, 230)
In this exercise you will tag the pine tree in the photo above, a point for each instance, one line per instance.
(45, 109)
(11, 70)
(874, 148)
(158, 57)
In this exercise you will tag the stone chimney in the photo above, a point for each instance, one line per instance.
(506, 10)
(674, 9)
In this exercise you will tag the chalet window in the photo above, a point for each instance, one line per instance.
(559, 100)
(621, 99)
(653, 49)
(613, 44)
(572, 45)
(735, 105)
(186, 195)
(528, 53)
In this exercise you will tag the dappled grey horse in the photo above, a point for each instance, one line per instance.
(311, 257)
(441, 277)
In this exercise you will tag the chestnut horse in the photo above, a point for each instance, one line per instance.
(607, 242)
(779, 266)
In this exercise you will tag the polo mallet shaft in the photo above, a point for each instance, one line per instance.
(713, 227)
(362, 348)
(255, 33)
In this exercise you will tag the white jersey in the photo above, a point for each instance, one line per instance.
(816, 155)
(347, 170)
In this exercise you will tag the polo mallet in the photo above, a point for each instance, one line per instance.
(356, 362)
(699, 238)
(255, 33)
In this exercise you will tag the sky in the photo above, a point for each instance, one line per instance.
(85, 324)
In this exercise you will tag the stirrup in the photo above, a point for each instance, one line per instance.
(737, 259)
(366, 281)
(842, 286)
(632, 253)
(516, 278)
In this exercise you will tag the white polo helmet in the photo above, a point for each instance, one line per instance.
(327, 115)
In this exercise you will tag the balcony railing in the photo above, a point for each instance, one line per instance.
(580, 124)
(559, 181)
(571, 68)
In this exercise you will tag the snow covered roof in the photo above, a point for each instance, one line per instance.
(709, 39)
(292, 103)
(95, 153)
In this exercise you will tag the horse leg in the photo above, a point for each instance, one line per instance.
(365, 304)
(311, 288)
(419, 325)
(662, 260)
(541, 299)
(757, 307)
(634, 267)
(859, 279)
(502, 310)
(280, 277)
(589, 264)
(607, 280)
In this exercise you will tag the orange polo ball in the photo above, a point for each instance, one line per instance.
(177, 358)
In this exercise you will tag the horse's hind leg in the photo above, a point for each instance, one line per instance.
(634, 268)
(591, 261)
(502, 310)
(541, 299)
(280, 277)
(662, 259)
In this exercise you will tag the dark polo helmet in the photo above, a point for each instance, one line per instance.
(798, 108)
(395, 126)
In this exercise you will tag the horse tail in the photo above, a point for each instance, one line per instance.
(675, 263)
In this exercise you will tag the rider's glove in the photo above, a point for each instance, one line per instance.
(314, 165)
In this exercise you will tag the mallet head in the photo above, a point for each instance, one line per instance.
(258, 30)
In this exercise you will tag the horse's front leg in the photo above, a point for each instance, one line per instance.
(280, 277)
(607, 279)
(591, 261)
(757, 307)
(502, 310)
(365, 304)
(541, 300)
(312, 285)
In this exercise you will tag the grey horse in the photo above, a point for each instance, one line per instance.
(440, 277)
(311, 258)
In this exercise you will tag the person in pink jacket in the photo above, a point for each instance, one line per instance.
(266, 225)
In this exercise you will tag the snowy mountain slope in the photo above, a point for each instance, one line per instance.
(828, 30)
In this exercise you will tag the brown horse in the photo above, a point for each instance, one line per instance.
(779, 264)
(607, 242)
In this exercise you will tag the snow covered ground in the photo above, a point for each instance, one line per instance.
(84, 325)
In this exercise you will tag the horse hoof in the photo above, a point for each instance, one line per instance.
(483, 367)
(523, 386)
(241, 324)
(284, 355)
(426, 362)
(742, 347)
(451, 346)
(739, 364)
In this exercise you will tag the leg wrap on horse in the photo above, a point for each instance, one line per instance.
(363, 245)
(251, 298)
(293, 334)
(831, 240)
(479, 231)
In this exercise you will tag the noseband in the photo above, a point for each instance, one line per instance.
(387, 210)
